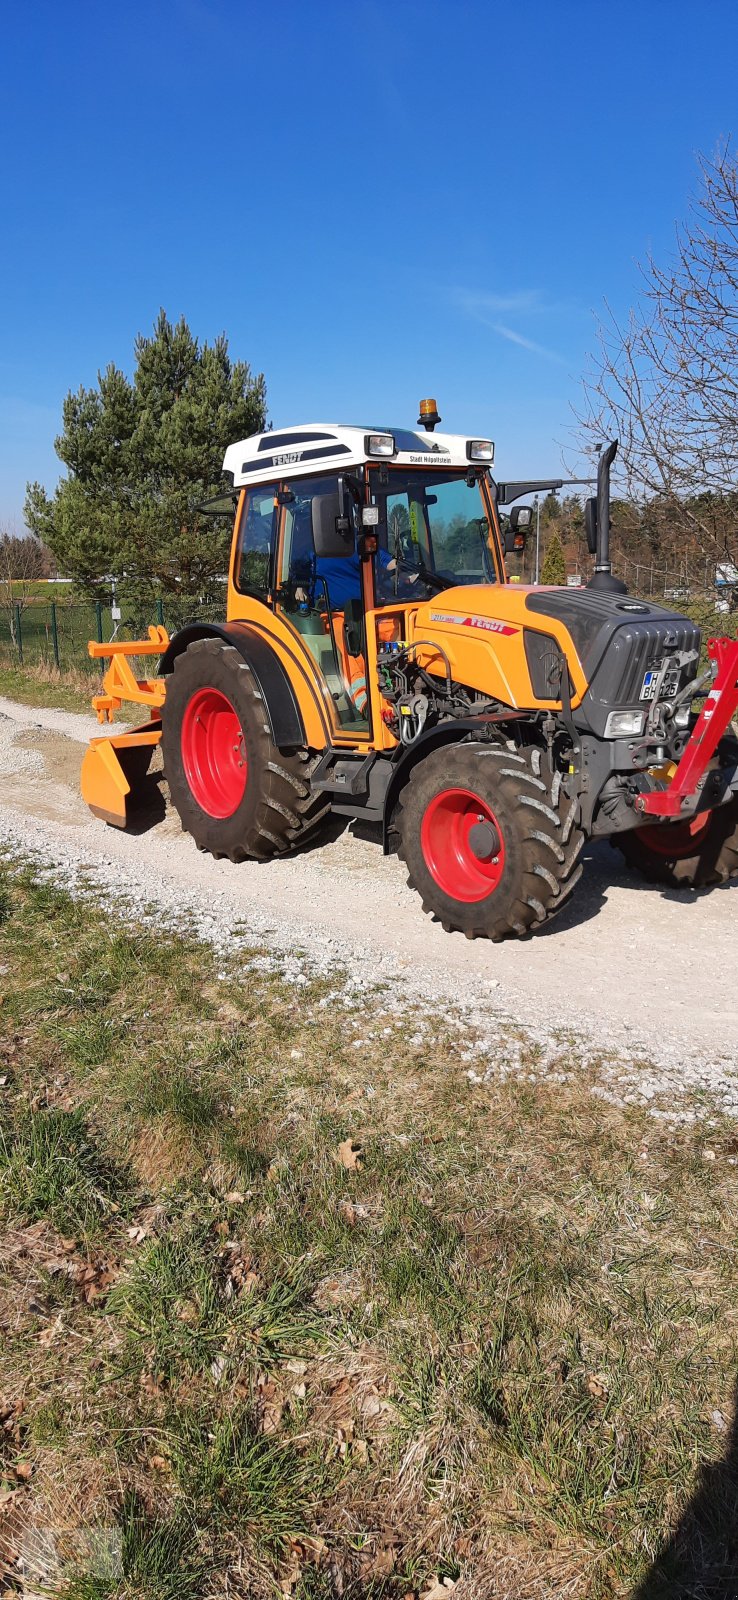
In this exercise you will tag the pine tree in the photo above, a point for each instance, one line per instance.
(554, 561)
(141, 457)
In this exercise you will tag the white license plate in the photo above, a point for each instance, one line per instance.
(669, 687)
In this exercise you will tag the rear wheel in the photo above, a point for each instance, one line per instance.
(491, 846)
(686, 855)
(235, 791)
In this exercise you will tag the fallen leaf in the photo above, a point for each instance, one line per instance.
(234, 1198)
(440, 1590)
(24, 1471)
(50, 1333)
(349, 1154)
(137, 1233)
(596, 1387)
(160, 1464)
(188, 1312)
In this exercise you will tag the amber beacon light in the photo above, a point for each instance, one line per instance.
(429, 418)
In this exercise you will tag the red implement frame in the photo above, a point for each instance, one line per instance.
(716, 715)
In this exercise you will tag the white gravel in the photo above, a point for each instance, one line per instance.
(639, 983)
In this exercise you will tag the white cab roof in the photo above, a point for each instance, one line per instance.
(312, 447)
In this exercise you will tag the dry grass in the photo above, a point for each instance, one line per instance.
(40, 684)
(499, 1349)
(65, 689)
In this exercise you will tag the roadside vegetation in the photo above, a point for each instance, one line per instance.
(293, 1303)
(69, 689)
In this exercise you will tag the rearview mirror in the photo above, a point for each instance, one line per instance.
(521, 518)
(333, 533)
(590, 524)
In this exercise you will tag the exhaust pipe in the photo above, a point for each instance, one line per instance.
(597, 521)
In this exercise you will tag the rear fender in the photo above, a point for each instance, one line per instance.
(453, 732)
(280, 702)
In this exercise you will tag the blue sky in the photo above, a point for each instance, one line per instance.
(376, 201)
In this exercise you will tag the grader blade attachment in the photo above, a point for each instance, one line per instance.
(113, 769)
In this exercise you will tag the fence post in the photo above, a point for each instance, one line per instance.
(160, 611)
(19, 633)
(54, 633)
(98, 620)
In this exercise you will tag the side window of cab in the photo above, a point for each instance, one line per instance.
(256, 531)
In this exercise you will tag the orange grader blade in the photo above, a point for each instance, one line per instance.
(113, 768)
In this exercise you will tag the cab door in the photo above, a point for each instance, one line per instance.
(323, 600)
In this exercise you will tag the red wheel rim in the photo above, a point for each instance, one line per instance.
(461, 871)
(676, 841)
(213, 753)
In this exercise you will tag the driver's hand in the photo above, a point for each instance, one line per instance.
(412, 577)
(301, 596)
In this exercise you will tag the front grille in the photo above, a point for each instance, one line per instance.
(632, 651)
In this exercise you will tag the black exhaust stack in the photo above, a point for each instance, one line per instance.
(597, 518)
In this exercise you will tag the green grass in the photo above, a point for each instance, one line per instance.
(51, 1168)
(44, 686)
(502, 1349)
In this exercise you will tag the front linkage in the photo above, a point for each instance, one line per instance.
(692, 777)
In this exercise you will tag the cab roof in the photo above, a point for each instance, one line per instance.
(311, 447)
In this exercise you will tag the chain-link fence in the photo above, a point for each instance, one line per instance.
(56, 633)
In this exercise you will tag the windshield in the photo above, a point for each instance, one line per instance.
(434, 532)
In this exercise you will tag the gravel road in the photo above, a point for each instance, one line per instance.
(645, 980)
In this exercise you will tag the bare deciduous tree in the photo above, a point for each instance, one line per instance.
(666, 384)
(22, 561)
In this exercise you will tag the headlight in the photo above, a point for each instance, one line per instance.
(380, 444)
(624, 724)
(480, 450)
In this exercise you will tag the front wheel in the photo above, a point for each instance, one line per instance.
(685, 855)
(491, 846)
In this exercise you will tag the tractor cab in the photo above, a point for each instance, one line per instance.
(343, 532)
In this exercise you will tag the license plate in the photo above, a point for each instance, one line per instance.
(669, 687)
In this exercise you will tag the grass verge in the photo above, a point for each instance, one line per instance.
(41, 685)
(291, 1304)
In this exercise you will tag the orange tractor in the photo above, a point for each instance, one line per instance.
(377, 663)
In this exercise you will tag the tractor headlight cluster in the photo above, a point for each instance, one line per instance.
(380, 444)
(480, 450)
(625, 724)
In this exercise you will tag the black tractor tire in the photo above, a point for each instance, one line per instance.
(508, 894)
(665, 852)
(277, 809)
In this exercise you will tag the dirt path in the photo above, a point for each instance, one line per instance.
(636, 970)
